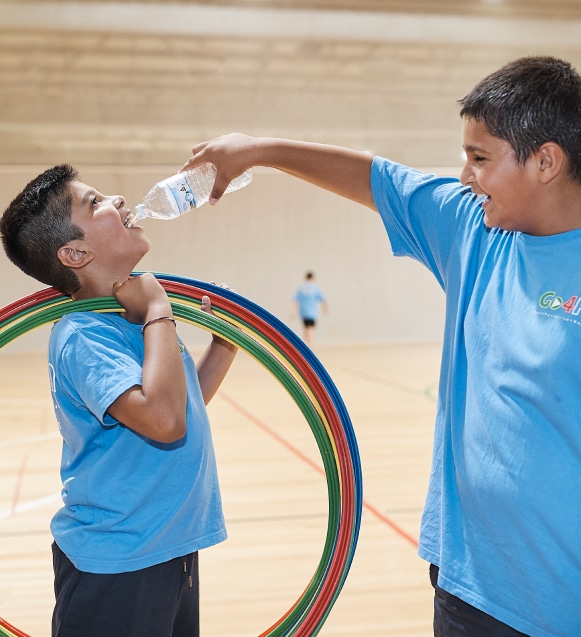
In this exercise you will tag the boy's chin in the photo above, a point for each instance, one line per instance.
(146, 246)
(487, 222)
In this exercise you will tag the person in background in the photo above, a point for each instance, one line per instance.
(307, 300)
(501, 527)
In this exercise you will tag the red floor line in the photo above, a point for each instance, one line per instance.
(397, 529)
(285, 443)
(272, 433)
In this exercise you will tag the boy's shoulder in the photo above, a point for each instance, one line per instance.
(92, 323)
(77, 320)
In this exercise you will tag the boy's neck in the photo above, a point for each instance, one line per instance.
(558, 209)
(93, 289)
(89, 293)
(567, 211)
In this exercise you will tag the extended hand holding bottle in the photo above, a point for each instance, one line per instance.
(176, 195)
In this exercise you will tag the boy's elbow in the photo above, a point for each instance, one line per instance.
(172, 436)
(170, 428)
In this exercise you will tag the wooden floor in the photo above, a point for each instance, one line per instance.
(275, 499)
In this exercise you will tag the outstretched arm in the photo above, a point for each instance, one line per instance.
(340, 170)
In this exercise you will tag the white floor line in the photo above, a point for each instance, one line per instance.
(28, 506)
(15, 442)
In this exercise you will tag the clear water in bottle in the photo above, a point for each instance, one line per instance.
(176, 195)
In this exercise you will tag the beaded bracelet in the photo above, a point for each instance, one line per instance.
(155, 320)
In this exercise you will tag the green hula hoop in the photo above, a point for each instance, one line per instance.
(286, 357)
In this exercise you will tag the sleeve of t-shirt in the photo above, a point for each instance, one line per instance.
(99, 367)
(424, 215)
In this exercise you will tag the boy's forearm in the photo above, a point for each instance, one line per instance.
(163, 376)
(214, 365)
(340, 170)
(157, 407)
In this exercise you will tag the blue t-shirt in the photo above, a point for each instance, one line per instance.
(129, 502)
(502, 517)
(308, 297)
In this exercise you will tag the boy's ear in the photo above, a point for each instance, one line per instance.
(74, 255)
(551, 161)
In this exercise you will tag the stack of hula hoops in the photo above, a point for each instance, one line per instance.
(271, 343)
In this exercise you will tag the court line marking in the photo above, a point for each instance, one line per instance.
(14, 509)
(28, 506)
(15, 442)
(285, 443)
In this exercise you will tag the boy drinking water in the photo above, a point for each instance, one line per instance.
(140, 486)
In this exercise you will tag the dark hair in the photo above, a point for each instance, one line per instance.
(528, 102)
(37, 223)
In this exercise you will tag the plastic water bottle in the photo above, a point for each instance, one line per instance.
(176, 195)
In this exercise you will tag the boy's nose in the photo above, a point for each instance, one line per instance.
(118, 201)
(465, 175)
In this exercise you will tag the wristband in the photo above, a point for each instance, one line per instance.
(156, 320)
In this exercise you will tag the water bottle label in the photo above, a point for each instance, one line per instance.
(180, 192)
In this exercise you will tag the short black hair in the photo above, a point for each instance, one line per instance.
(528, 102)
(37, 223)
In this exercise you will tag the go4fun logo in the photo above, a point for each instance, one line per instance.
(552, 301)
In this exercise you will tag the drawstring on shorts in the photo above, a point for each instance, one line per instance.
(188, 569)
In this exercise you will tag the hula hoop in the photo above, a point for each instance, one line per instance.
(283, 353)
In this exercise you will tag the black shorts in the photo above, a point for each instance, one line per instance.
(309, 322)
(162, 600)
(455, 618)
